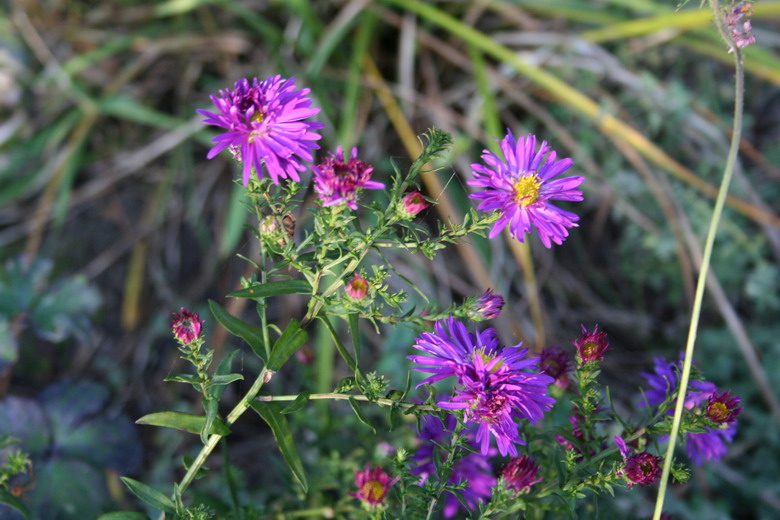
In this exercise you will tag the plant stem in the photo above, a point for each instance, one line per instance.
(344, 397)
(708, 246)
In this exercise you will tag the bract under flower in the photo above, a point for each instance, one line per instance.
(522, 187)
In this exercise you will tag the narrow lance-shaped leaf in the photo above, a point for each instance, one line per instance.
(296, 405)
(249, 333)
(278, 423)
(354, 331)
(360, 415)
(13, 502)
(288, 343)
(149, 495)
(264, 290)
(183, 421)
(339, 345)
(222, 375)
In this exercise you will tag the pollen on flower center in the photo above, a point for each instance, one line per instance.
(527, 189)
(487, 358)
(373, 490)
(719, 412)
(257, 117)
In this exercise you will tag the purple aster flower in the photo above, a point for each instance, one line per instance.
(494, 385)
(187, 326)
(265, 126)
(521, 187)
(487, 307)
(338, 179)
(710, 445)
(556, 363)
(373, 485)
(591, 345)
(665, 380)
(474, 468)
(723, 408)
(521, 473)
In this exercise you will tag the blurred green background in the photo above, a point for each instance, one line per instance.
(111, 217)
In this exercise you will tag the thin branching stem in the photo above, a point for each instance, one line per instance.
(708, 246)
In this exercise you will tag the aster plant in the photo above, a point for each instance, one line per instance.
(497, 429)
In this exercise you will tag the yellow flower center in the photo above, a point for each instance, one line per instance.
(257, 117)
(527, 189)
(719, 412)
(487, 358)
(372, 491)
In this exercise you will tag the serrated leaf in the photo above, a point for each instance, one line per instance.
(264, 290)
(249, 333)
(149, 495)
(360, 415)
(288, 343)
(123, 515)
(272, 415)
(183, 421)
(13, 502)
(296, 405)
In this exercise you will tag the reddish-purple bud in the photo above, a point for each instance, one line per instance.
(723, 408)
(412, 204)
(591, 345)
(373, 485)
(357, 288)
(187, 326)
(641, 468)
(521, 473)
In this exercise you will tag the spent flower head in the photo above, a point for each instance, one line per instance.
(522, 186)
(187, 326)
(521, 473)
(266, 127)
(723, 408)
(337, 179)
(741, 31)
(591, 345)
(373, 485)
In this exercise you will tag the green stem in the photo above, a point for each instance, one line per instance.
(345, 397)
(708, 246)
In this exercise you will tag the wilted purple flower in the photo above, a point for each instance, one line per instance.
(357, 288)
(474, 468)
(412, 204)
(338, 179)
(521, 473)
(723, 408)
(373, 485)
(591, 345)
(488, 306)
(186, 326)
(556, 363)
(265, 126)
(494, 386)
(710, 445)
(521, 187)
(740, 31)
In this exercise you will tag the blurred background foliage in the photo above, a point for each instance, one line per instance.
(111, 217)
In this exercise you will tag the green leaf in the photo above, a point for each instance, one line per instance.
(290, 341)
(123, 515)
(249, 333)
(264, 290)
(345, 385)
(11, 501)
(223, 368)
(360, 415)
(225, 379)
(354, 330)
(149, 495)
(183, 421)
(278, 423)
(296, 405)
(211, 407)
(351, 363)
(182, 378)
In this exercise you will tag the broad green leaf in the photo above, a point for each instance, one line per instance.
(183, 421)
(290, 341)
(13, 502)
(360, 415)
(149, 495)
(272, 415)
(249, 333)
(123, 515)
(264, 290)
(296, 405)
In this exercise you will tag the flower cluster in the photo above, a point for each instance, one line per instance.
(723, 409)
(473, 468)
(495, 386)
(265, 127)
(522, 186)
